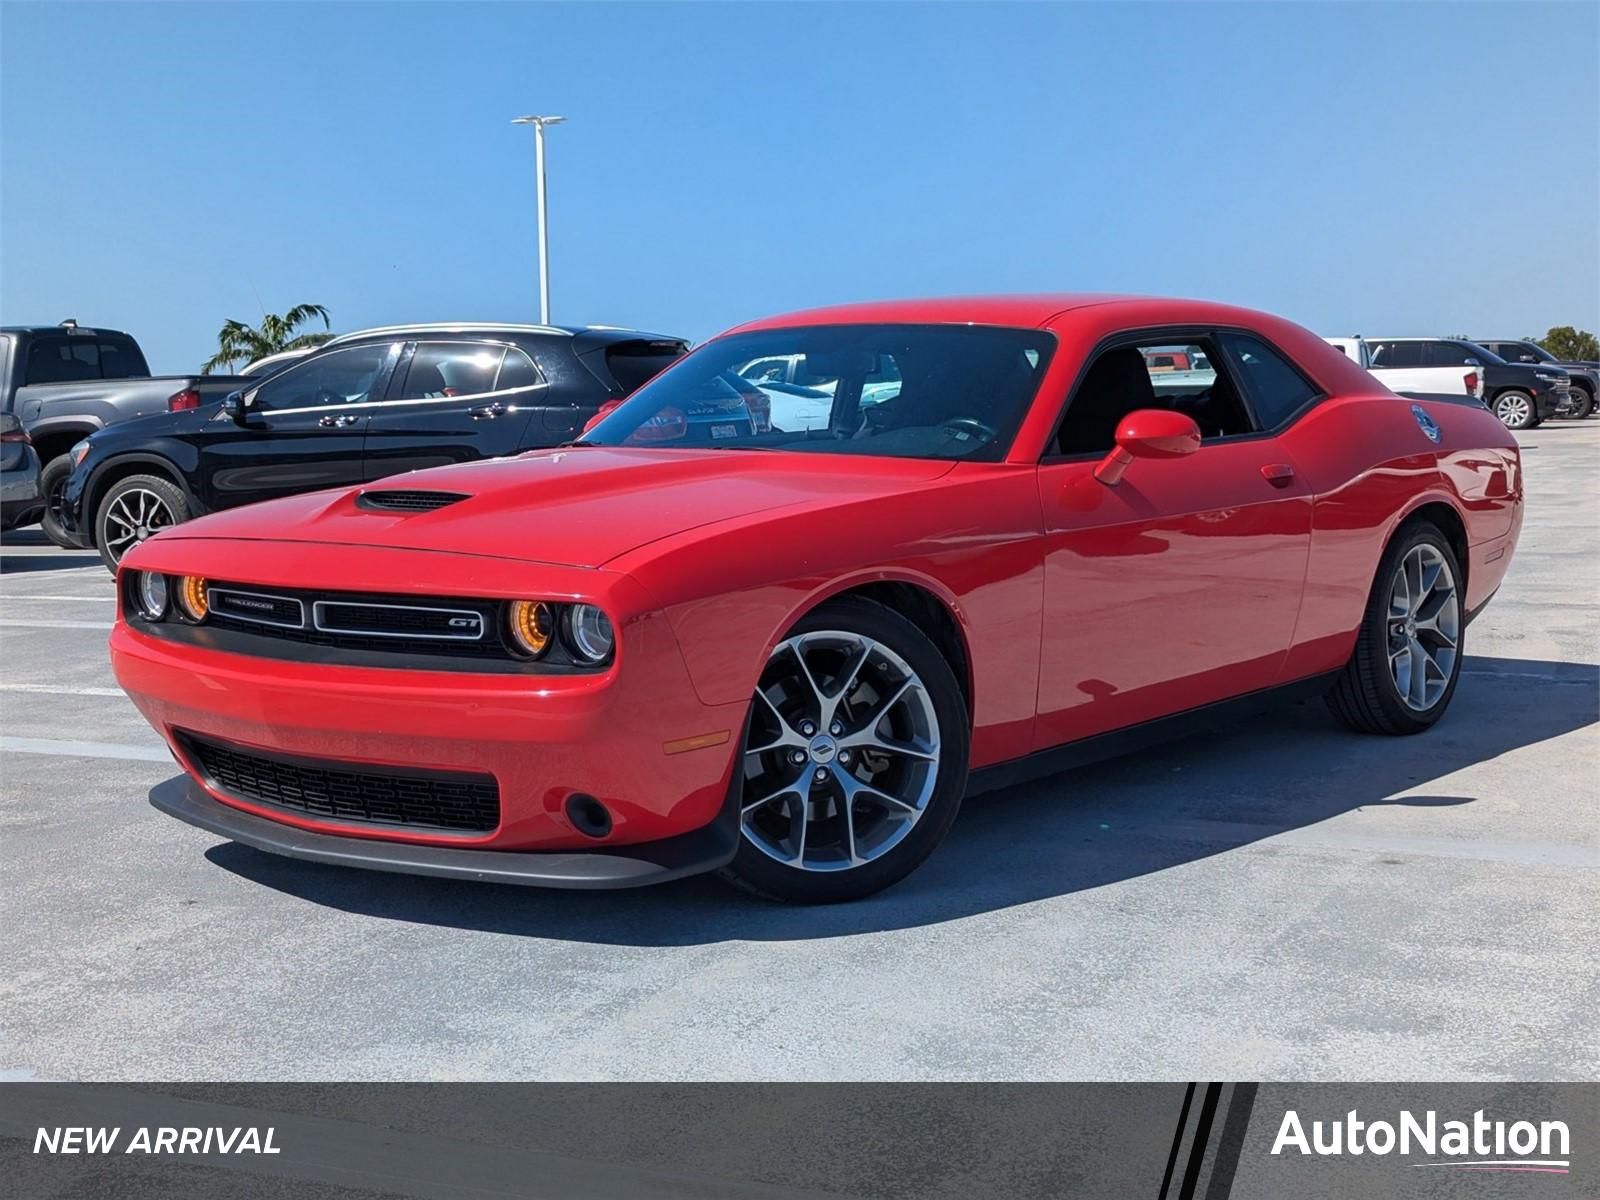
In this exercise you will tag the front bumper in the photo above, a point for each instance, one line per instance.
(691, 853)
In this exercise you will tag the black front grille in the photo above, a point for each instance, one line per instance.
(388, 624)
(398, 620)
(399, 500)
(346, 792)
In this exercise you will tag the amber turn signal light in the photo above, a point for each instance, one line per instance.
(532, 626)
(192, 597)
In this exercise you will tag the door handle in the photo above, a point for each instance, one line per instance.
(487, 410)
(1278, 474)
(338, 422)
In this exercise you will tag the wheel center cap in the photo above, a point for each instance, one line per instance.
(823, 749)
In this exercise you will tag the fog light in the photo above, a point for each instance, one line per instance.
(192, 598)
(589, 634)
(150, 594)
(532, 625)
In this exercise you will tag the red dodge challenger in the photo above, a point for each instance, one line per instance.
(979, 542)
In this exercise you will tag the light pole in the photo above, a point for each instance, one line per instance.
(538, 124)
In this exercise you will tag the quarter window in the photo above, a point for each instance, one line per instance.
(1277, 390)
(335, 377)
(517, 371)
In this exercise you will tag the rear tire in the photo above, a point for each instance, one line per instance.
(855, 758)
(52, 483)
(1407, 659)
(134, 509)
(1516, 409)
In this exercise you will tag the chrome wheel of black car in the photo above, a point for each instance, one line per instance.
(1515, 410)
(842, 755)
(136, 508)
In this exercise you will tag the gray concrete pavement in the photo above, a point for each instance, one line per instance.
(1284, 900)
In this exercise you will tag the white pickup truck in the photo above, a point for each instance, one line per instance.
(1445, 379)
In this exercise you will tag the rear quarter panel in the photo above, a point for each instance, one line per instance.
(1370, 466)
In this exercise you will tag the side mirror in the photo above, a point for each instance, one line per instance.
(234, 406)
(1148, 433)
(1470, 361)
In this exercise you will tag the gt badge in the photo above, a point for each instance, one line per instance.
(1429, 427)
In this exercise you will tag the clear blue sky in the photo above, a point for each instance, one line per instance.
(1406, 169)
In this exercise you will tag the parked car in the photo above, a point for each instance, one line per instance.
(20, 497)
(1585, 375)
(788, 655)
(1521, 396)
(363, 406)
(67, 381)
(1444, 373)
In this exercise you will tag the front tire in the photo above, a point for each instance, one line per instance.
(52, 487)
(1582, 404)
(855, 757)
(1407, 660)
(1516, 409)
(134, 509)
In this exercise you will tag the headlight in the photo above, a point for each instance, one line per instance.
(589, 635)
(192, 598)
(150, 595)
(532, 625)
(75, 455)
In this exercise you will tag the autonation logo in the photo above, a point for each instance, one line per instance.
(1476, 1145)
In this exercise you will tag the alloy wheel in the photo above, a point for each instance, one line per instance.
(1513, 410)
(1424, 624)
(842, 756)
(131, 518)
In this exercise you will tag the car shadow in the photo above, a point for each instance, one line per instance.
(28, 539)
(1192, 799)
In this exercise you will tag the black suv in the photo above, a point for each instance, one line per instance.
(363, 406)
(1585, 375)
(1520, 394)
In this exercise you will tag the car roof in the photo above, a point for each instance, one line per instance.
(606, 332)
(74, 330)
(1024, 311)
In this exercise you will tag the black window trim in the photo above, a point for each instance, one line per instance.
(1226, 365)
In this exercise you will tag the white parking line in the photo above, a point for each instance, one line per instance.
(47, 623)
(65, 749)
(46, 689)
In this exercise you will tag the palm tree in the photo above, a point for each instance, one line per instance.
(240, 343)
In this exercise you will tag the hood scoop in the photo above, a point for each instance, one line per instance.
(403, 500)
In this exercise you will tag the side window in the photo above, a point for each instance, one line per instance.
(517, 371)
(1397, 354)
(1172, 374)
(120, 358)
(1444, 354)
(336, 377)
(51, 360)
(446, 370)
(1276, 388)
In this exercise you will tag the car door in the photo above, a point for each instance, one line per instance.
(302, 429)
(456, 401)
(1179, 585)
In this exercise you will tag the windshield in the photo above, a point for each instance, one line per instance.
(904, 391)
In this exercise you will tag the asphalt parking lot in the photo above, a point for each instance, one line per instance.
(1285, 900)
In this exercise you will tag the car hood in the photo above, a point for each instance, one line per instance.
(580, 507)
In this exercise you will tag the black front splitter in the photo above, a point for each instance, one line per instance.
(691, 853)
